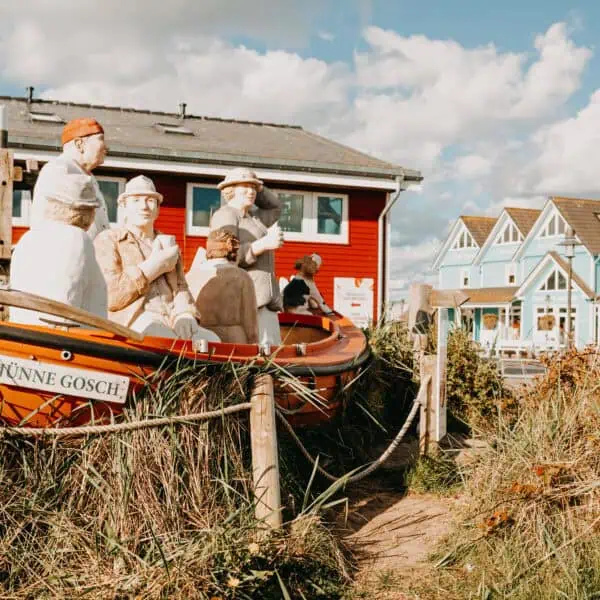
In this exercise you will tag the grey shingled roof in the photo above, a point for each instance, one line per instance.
(131, 132)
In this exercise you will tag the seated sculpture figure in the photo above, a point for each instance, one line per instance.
(223, 292)
(251, 214)
(147, 290)
(307, 267)
(296, 295)
(56, 259)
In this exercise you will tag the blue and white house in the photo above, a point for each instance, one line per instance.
(515, 272)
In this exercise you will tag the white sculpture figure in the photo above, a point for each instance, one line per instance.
(84, 149)
(57, 259)
(147, 290)
(223, 292)
(307, 267)
(251, 214)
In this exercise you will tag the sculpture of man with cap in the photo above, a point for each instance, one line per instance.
(307, 267)
(143, 269)
(223, 292)
(84, 149)
(57, 259)
(251, 215)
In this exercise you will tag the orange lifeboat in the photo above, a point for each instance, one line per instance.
(72, 374)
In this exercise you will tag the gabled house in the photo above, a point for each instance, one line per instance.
(521, 299)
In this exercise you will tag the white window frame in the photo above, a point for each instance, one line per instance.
(456, 245)
(465, 274)
(555, 216)
(23, 220)
(554, 273)
(499, 241)
(121, 181)
(510, 269)
(196, 230)
(310, 221)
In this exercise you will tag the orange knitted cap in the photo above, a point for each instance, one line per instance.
(78, 128)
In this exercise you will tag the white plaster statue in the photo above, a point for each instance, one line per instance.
(251, 214)
(307, 267)
(223, 292)
(84, 149)
(57, 259)
(147, 290)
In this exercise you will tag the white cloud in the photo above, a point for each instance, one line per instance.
(326, 36)
(471, 166)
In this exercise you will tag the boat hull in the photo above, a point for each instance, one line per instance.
(324, 354)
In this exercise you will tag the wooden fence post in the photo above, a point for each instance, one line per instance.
(6, 202)
(427, 414)
(265, 457)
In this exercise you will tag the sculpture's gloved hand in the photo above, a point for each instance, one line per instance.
(160, 261)
(271, 241)
(185, 326)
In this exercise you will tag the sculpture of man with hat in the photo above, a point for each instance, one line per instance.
(57, 259)
(306, 269)
(84, 149)
(251, 215)
(147, 290)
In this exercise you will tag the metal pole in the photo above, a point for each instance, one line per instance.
(569, 340)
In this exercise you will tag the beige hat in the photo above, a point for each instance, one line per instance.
(74, 189)
(140, 186)
(240, 175)
(317, 259)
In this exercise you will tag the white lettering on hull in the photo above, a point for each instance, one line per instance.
(82, 383)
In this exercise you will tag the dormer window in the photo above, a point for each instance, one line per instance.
(509, 235)
(556, 281)
(174, 128)
(464, 240)
(44, 117)
(555, 226)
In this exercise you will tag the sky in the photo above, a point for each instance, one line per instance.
(497, 104)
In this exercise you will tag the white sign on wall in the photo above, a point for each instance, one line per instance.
(81, 383)
(354, 298)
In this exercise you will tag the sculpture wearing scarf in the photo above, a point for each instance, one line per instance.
(84, 149)
(147, 290)
(56, 259)
(251, 214)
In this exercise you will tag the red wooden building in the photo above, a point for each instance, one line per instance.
(336, 199)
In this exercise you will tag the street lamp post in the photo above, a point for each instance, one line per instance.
(569, 243)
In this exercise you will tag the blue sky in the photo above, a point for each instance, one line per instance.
(493, 102)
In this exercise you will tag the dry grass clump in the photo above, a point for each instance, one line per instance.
(532, 501)
(155, 513)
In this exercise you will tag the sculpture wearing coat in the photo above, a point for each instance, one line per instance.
(147, 290)
(251, 214)
(84, 149)
(307, 267)
(56, 260)
(224, 293)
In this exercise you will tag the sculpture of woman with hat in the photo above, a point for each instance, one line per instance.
(251, 215)
(84, 149)
(56, 259)
(147, 290)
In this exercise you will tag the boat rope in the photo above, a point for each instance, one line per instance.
(122, 427)
(382, 458)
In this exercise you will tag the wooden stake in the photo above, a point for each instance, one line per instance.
(265, 457)
(427, 417)
(6, 202)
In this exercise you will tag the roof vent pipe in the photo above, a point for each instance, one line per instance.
(182, 107)
(29, 90)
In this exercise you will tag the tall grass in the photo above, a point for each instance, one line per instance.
(532, 501)
(154, 513)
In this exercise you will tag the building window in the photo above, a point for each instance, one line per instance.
(201, 202)
(511, 274)
(464, 278)
(556, 281)
(509, 235)
(464, 240)
(292, 212)
(111, 188)
(555, 226)
(20, 207)
(308, 216)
